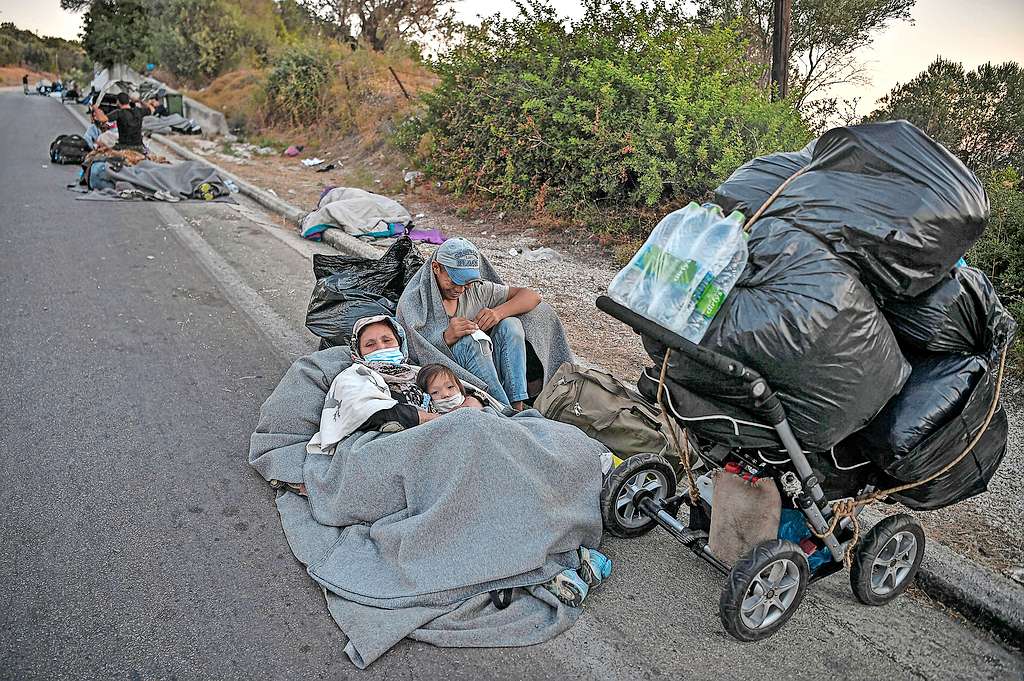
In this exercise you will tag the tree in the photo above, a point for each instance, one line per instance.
(115, 31)
(824, 37)
(379, 24)
(198, 39)
(978, 115)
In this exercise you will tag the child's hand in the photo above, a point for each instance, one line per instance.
(472, 402)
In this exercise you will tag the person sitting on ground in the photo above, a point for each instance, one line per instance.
(128, 116)
(445, 390)
(475, 324)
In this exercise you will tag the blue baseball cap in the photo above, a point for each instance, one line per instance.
(460, 260)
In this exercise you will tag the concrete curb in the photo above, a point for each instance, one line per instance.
(984, 597)
(334, 237)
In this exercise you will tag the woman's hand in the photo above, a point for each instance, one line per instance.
(471, 402)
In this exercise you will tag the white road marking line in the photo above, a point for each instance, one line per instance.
(289, 344)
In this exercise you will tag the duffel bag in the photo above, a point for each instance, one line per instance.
(604, 408)
(68, 149)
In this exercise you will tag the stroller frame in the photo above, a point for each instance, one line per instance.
(803, 488)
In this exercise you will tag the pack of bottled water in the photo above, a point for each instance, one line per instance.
(684, 271)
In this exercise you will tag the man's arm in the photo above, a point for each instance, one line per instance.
(100, 116)
(520, 301)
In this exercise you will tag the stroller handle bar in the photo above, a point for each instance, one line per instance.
(762, 397)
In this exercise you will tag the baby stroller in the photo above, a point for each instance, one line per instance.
(765, 586)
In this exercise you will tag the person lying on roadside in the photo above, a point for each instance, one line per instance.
(445, 390)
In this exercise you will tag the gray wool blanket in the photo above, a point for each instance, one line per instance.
(408, 532)
(177, 179)
(422, 314)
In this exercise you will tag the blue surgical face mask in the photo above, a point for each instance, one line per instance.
(386, 355)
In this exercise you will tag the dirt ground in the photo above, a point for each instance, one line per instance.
(988, 528)
(11, 75)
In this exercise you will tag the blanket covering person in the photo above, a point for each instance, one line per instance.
(421, 312)
(408, 532)
(182, 180)
(357, 212)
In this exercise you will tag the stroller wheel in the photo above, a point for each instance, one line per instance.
(886, 559)
(641, 474)
(763, 590)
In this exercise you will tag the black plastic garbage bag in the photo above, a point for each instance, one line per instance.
(962, 314)
(332, 312)
(385, 276)
(349, 288)
(930, 423)
(937, 392)
(752, 183)
(891, 201)
(968, 478)
(800, 317)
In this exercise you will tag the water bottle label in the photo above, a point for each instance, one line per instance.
(659, 264)
(710, 301)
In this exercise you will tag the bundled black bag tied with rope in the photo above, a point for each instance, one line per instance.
(960, 314)
(895, 204)
(349, 288)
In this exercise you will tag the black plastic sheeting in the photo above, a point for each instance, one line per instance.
(962, 314)
(968, 478)
(749, 187)
(930, 423)
(891, 201)
(349, 288)
(333, 312)
(801, 318)
(386, 276)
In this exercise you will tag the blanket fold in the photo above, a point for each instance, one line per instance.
(421, 312)
(408, 532)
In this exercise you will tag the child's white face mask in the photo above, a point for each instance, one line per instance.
(447, 404)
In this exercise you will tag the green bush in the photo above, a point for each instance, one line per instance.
(297, 86)
(628, 106)
(1000, 251)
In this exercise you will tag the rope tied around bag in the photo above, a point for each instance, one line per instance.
(847, 508)
(684, 451)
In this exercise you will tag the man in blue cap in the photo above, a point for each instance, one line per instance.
(477, 309)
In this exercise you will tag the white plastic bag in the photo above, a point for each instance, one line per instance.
(684, 271)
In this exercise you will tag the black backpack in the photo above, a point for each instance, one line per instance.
(68, 149)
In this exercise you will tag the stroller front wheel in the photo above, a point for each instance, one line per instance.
(639, 475)
(886, 559)
(763, 590)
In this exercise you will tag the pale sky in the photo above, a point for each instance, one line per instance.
(968, 31)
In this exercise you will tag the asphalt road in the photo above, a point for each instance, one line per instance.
(138, 342)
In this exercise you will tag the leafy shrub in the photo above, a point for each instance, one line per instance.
(629, 105)
(297, 85)
(1000, 251)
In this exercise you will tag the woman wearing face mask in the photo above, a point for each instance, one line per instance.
(379, 357)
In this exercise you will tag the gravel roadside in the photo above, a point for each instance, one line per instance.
(989, 528)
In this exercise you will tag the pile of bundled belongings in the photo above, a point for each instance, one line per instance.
(349, 288)
(69, 150)
(171, 123)
(856, 307)
(130, 175)
(357, 212)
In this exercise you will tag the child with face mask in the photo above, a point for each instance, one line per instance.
(444, 388)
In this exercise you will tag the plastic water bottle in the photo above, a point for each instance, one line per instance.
(690, 261)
